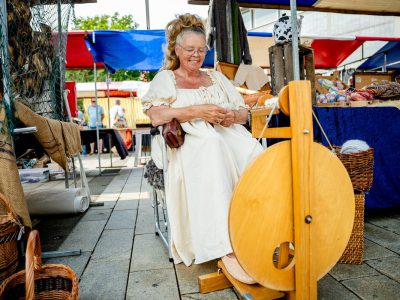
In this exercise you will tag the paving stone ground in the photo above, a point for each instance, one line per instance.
(123, 259)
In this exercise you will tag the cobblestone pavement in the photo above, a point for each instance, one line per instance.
(123, 259)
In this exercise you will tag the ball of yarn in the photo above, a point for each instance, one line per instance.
(330, 97)
(321, 98)
(340, 98)
(353, 146)
(333, 89)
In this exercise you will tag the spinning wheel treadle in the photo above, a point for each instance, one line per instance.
(261, 218)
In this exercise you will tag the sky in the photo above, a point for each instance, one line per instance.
(161, 11)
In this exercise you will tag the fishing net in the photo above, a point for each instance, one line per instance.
(34, 66)
(33, 36)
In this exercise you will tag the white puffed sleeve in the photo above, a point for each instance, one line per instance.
(162, 91)
(234, 96)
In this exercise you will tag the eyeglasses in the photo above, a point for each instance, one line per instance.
(192, 51)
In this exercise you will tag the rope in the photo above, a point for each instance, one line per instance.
(268, 119)
(323, 131)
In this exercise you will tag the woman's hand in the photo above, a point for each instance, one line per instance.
(235, 117)
(230, 118)
(160, 115)
(211, 113)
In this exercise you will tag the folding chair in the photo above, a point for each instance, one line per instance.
(161, 221)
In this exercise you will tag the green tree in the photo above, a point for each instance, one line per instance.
(106, 22)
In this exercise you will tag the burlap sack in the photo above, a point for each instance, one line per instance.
(10, 185)
(58, 139)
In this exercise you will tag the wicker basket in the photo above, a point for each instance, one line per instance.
(353, 254)
(10, 226)
(360, 166)
(40, 282)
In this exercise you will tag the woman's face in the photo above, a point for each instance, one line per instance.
(191, 51)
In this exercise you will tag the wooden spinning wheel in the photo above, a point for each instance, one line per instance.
(292, 211)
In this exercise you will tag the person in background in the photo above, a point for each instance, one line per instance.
(116, 113)
(81, 118)
(82, 122)
(92, 121)
(203, 172)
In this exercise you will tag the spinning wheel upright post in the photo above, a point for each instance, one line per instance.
(302, 181)
(292, 210)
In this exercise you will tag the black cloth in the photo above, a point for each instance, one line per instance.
(89, 136)
(219, 32)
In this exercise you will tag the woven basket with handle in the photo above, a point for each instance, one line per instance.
(10, 226)
(37, 281)
(360, 166)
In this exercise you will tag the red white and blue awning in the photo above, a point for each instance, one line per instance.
(329, 51)
(374, 7)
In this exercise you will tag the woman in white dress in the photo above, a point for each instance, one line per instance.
(203, 172)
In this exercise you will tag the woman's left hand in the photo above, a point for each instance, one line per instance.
(230, 118)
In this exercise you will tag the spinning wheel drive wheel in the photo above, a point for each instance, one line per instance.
(261, 216)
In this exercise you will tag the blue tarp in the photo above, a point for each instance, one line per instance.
(379, 127)
(140, 50)
(128, 50)
(392, 50)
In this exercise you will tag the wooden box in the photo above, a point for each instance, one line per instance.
(361, 79)
(334, 77)
(281, 63)
(229, 70)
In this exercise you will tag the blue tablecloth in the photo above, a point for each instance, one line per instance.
(380, 128)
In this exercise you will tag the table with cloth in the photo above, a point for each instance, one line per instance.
(89, 136)
(380, 128)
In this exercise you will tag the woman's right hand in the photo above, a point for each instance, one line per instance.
(211, 113)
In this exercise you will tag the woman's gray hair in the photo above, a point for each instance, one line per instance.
(196, 30)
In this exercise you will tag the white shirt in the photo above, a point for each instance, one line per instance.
(115, 111)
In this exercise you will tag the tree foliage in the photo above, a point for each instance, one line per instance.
(121, 75)
(106, 22)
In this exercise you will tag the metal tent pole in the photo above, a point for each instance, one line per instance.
(60, 69)
(385, 61)
(147, 15)
(97, 108)
(109, 115)
(108, 97)
(295, 40)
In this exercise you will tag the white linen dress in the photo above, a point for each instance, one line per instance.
(203, 172)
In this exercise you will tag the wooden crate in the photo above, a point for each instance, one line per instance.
(229, 70)
(333, 77)
(281, 63)
(361, 103)
(361, 79)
